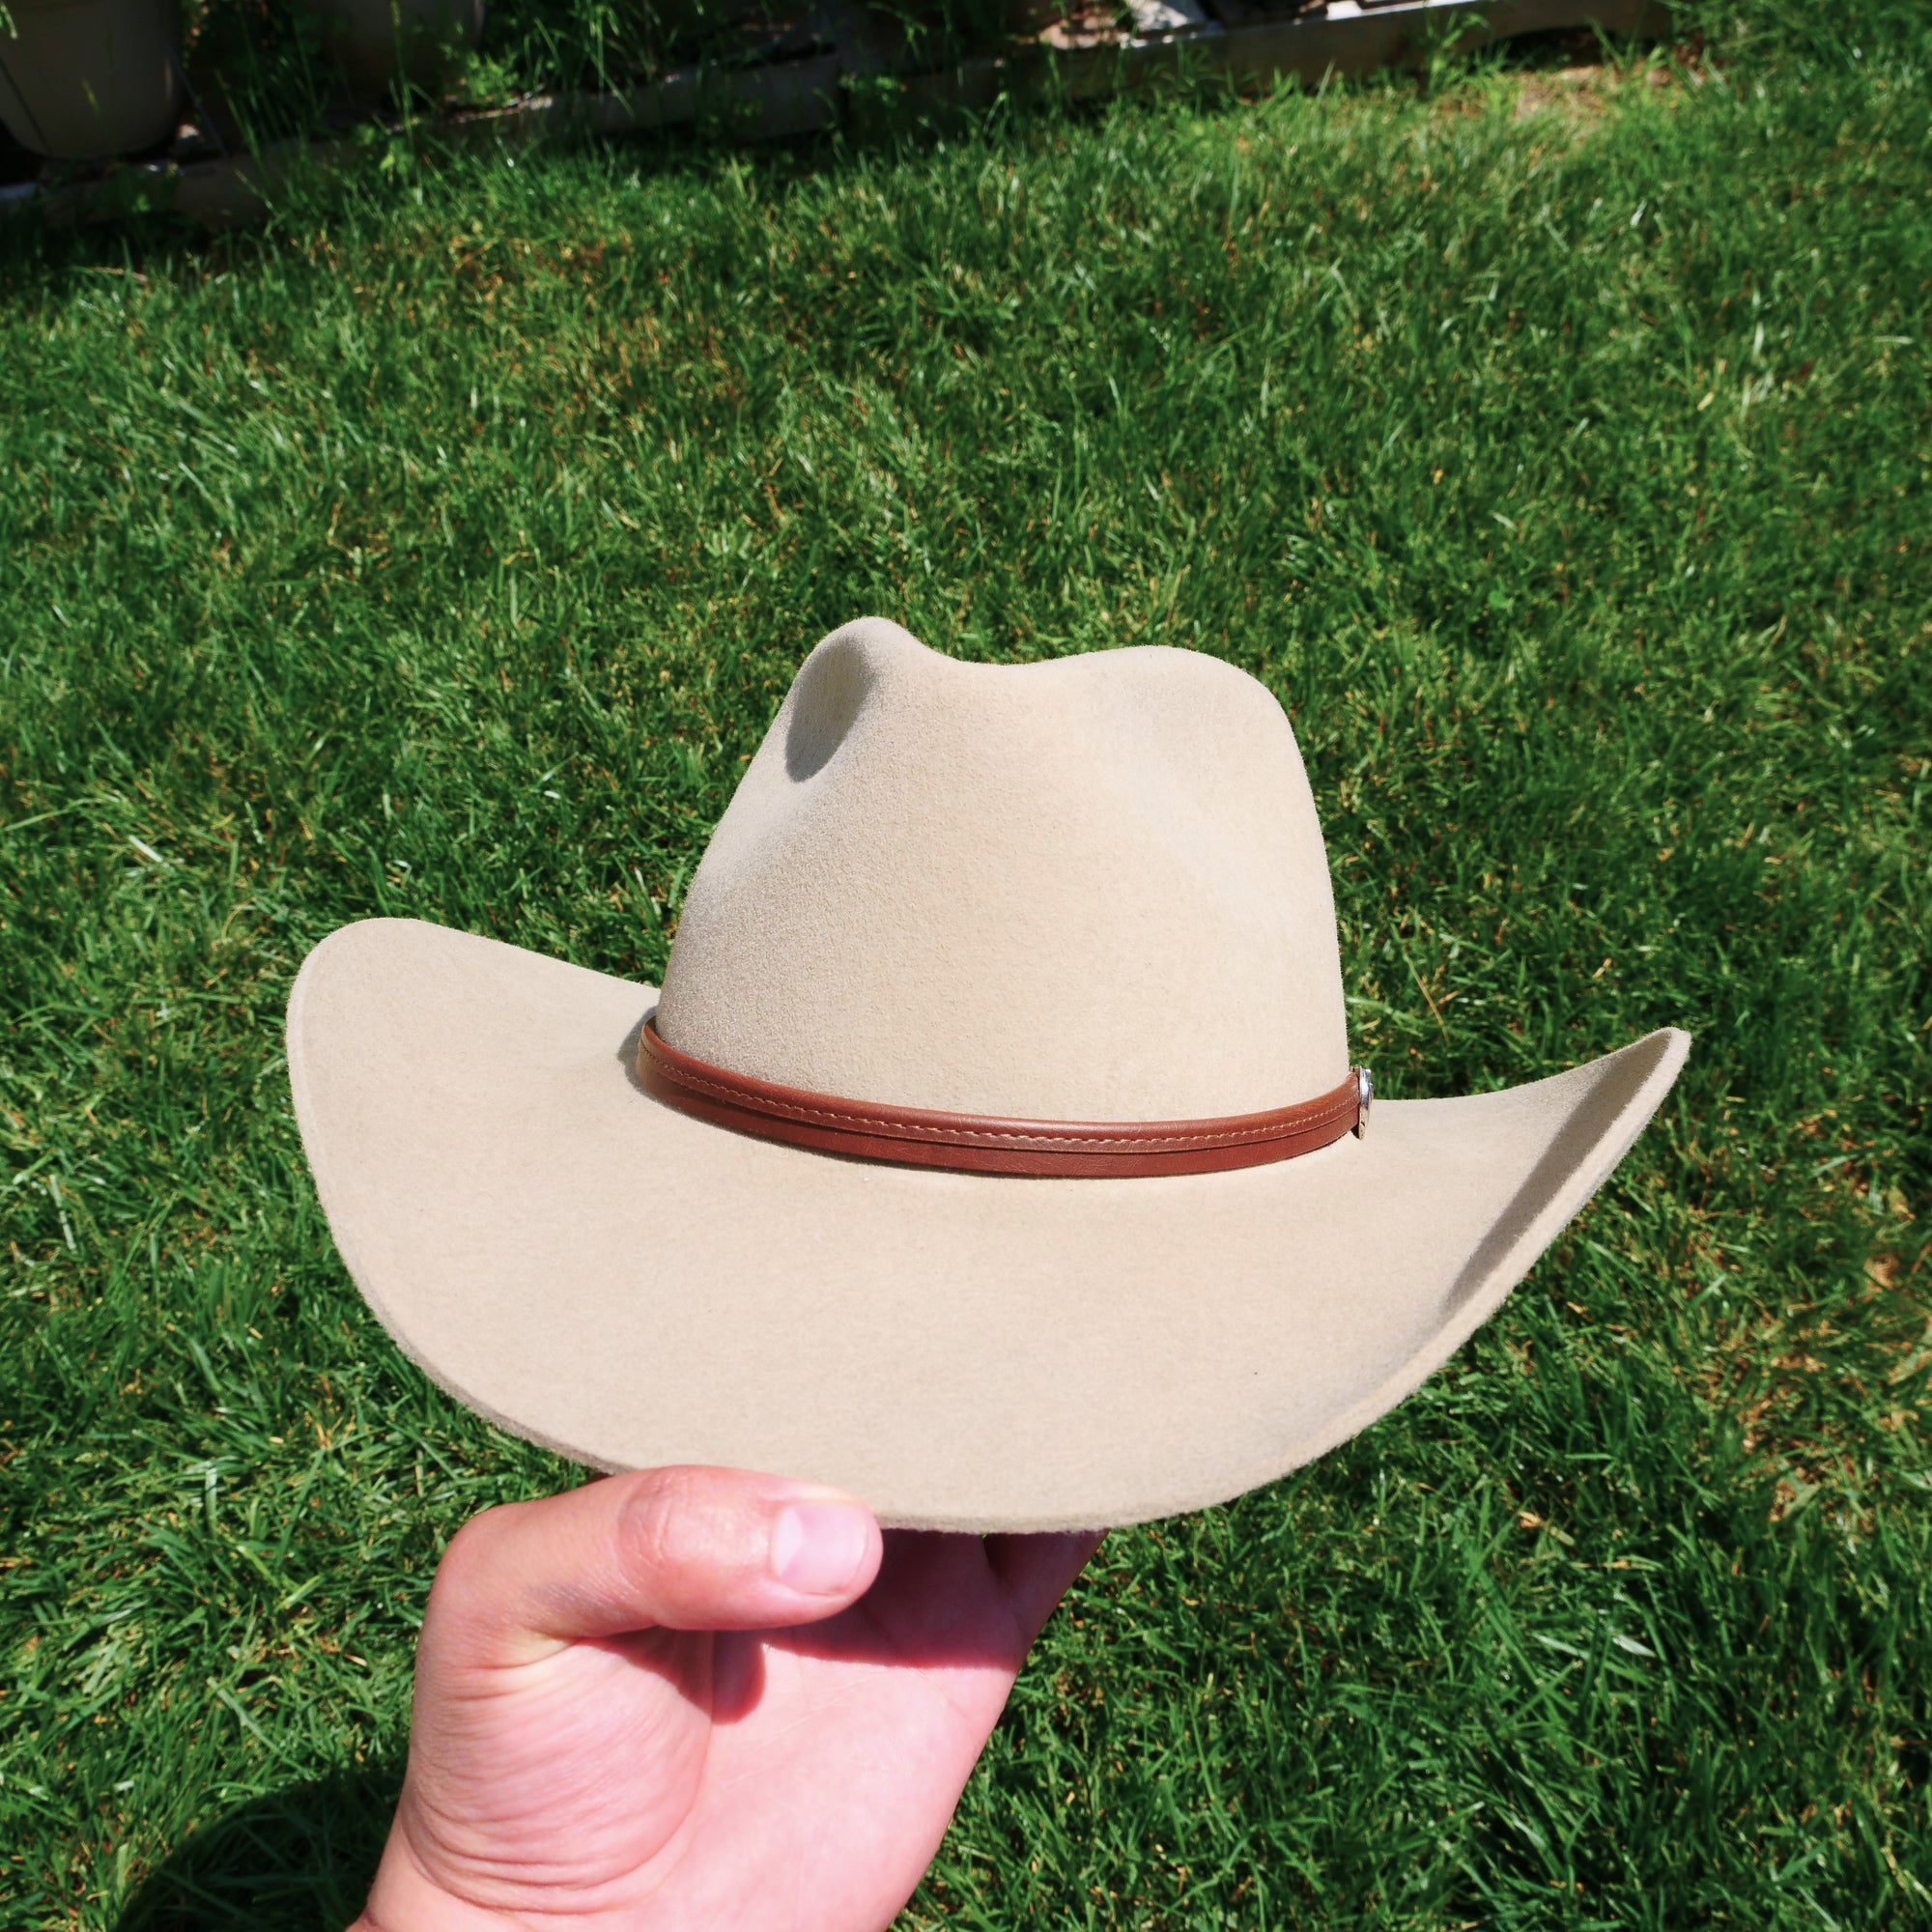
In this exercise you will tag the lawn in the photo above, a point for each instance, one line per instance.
(1560, 449)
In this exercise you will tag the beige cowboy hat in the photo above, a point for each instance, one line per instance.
(992, 1149)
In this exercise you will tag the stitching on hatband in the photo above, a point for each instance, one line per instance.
(967, 1136)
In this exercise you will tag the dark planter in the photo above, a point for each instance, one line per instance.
(84, 79)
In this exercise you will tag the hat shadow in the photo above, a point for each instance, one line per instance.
(627, 1051)
(303, 1857)
(1574, 1151)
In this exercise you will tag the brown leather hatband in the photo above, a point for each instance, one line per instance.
(978, 1144)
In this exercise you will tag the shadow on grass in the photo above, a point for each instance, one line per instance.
(301, 1857)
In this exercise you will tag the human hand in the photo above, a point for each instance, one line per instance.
(671, 1699)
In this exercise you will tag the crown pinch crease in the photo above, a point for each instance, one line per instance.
(978, 1144)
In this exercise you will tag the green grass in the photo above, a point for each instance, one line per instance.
(1565, 468)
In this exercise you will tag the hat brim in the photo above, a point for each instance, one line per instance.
(632, 1287)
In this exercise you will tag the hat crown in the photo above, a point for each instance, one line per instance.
(1091, 888)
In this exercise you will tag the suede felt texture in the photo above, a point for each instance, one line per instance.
(951, 885)
(1091, 889)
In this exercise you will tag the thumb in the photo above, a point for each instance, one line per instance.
(680, 1548)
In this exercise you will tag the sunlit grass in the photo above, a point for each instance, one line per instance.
(1559, 454)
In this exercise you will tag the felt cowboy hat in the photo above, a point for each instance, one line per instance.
(992, 1149)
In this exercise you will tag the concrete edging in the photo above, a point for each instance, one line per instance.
(814, 95)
